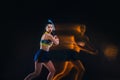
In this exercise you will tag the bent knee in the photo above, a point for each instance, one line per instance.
(80, 69)
(83, 69)
(52, 70)
(36, 73)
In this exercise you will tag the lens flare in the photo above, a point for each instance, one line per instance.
(110, 51)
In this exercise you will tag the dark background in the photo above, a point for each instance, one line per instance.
(22, 24)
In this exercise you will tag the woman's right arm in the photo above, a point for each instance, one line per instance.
(54, 39)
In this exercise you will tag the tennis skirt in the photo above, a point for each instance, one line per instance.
(42, 56)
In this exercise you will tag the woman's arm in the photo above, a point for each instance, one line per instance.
(82, 47)
(89, 51)
(54, 39)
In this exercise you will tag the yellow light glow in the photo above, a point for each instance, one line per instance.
(110, 51)
(78, 28)
(67, 67)
(68, 42)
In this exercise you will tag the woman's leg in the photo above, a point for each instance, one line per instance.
(49, 65)
(66, 69)
(38, 67)
(80, 69)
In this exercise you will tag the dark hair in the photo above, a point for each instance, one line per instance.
(53, 32)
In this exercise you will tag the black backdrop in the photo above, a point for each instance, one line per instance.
(22, 25)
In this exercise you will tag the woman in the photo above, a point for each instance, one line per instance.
(42, 56)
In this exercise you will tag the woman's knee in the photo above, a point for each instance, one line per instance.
(80, 69)
(37, 73)
(53, 70)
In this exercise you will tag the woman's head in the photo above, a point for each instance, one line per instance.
(82, 28)
(49, 27)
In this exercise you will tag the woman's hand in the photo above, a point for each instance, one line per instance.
(56, 38)
(82, 44)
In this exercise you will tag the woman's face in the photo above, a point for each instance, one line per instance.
(49, 28)
(82, 29)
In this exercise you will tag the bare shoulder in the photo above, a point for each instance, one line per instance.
(48, 35)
